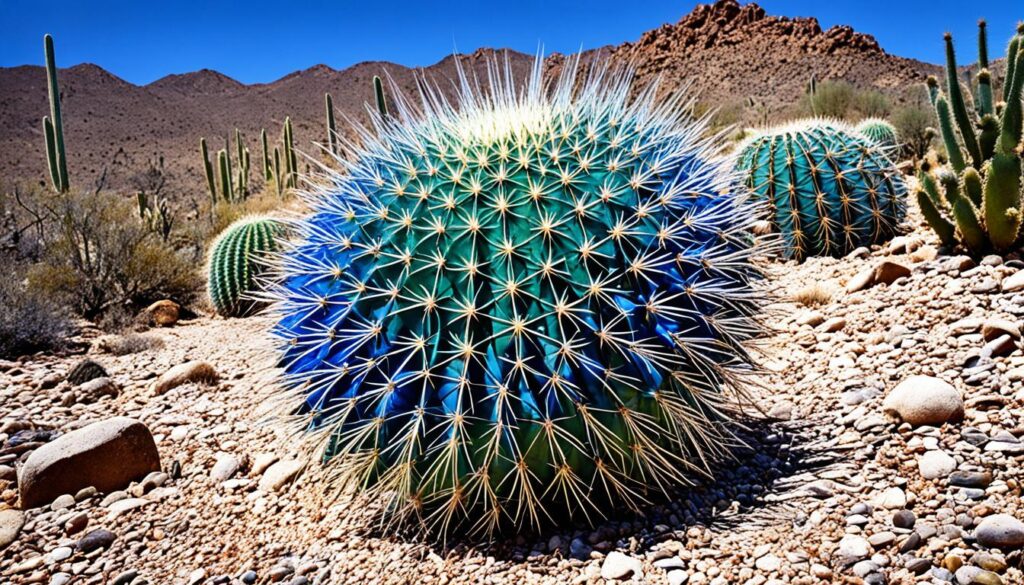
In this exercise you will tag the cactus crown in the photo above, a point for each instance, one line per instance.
(881, 132)
(237, 258)
(830, 189)
(535, 301)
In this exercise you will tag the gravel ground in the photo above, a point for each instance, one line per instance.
(829, 489)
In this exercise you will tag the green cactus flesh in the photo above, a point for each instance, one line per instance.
(829, 190)
(881, 132)
(237, 259)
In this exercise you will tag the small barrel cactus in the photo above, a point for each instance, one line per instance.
(881, 132)
(237, 258)
(828, 188)
(528, 306)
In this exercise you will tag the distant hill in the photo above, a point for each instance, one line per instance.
(725, 51)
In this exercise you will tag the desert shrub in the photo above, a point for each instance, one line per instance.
(98, 256)
(814, 295)
(915, 124)
(129, 343)
(29, 321)
(839, 99)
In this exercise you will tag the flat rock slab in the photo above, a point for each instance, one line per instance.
(11, 522)
(107, 455)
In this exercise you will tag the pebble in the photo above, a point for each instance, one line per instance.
(936, 464)
(11, 522)
(853, 548)
(1001, 531)
(225, 467)
(924, 400)
(904, 519)
(619, 566)
(279, 475)
(99, 538)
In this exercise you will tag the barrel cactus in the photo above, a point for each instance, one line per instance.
(237, 258)
(829, 189)
(881, 132)
(531, 305)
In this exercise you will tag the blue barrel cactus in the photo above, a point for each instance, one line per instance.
(528, 306)
(829, 189)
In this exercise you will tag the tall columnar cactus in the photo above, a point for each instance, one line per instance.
(332, 129)
(211, 183)
(529, 305)
(234, 178)
(291, 176)
(237, 259)
(829, 189)
(53, 125)
(881, 132)
(378, 94)
(977, 201)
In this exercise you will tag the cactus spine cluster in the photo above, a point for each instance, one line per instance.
(829, 189)
(237, 258)
(534, 304)
(881, 132)
(977, 201)
(53, 125)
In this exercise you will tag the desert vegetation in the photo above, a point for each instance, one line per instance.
(560, 322)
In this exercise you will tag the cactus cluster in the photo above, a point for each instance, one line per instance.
(155, 214)
(53, 125)
(881, 132)
(280, 166)
(828, 188)
(238, 257)
(231, 181)
(531, 305)
(976, 202)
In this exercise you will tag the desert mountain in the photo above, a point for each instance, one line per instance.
(725, 52)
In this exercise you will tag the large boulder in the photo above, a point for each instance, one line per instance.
(107, 455)
(924, 400)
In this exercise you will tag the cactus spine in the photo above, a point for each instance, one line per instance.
(529, 304)
(982, 200)
(53, 125)
(237, 259)
(829, 189)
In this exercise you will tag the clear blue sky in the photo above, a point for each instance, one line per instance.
(259, 41)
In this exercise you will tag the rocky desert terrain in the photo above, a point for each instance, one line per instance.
(889, 450)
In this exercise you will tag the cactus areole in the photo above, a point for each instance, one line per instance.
(528, 306)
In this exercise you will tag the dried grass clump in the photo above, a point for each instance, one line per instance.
(814, 295)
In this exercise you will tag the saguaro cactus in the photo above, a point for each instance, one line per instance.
(332, 130)
(53, 125)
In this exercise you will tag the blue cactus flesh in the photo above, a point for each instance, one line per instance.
(529, 306)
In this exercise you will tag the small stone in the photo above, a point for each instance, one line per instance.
(99, 538)
(11, 522)
(1014, 282)
(225, 467)
(989, 562)
(768, 563)
(881, 539)
(107, 455)
(853, 548)
(924, 400)
(996, 328)
(936, 464)
(970, 479)
(1001, 531)
(677, 577)
(889, 272)
(61, 553)
(862, 280)
(126, 577)
(834, 324)
(195, 371)
(76, 523)
(1001, 346)
(62, 502)
(893, 498)
(279, 474)
(248, 577)
(619, 566)
(904, 519)
(122, 506)
(84, 371)
(812, 318)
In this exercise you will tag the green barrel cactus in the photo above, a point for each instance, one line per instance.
(975, 203)
(828, 189)
(237, 259)
(881, 132)
(529, 306)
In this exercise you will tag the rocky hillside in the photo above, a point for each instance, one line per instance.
(727, 53)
